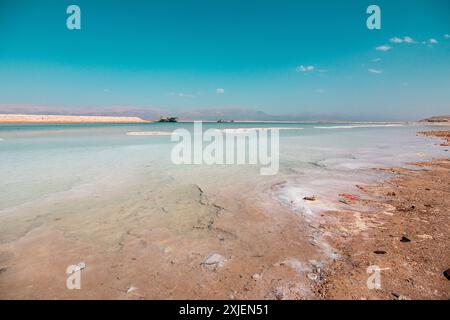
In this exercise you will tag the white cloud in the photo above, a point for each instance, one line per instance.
(320, 91)
(376, 60)
(376, 71)
(303, 68)
(384, 48)
(182, 95)
(396, 40)
(220, 90)
(106, 90)
(402, 40)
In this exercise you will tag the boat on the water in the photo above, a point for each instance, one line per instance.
(168, 119)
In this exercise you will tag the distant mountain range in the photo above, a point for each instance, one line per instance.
(437, 119)
(211, 114)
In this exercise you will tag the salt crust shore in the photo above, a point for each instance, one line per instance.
(31, 118)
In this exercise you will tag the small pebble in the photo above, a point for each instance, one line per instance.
(405, 239)
(313, 276)
(256, 276)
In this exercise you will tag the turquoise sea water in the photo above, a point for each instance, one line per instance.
(41, 161)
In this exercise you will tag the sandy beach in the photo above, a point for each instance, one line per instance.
(30, 118)
(406, 236)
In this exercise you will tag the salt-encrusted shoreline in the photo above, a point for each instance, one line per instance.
(404, 235)
(33, 118)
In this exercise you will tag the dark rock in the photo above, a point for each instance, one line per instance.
(380, 252)
(447, 274)
(405, 239)
(399, 296)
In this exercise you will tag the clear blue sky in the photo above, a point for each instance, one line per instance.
(177, 54)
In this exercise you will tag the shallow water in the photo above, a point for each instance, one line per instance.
(45, 160)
